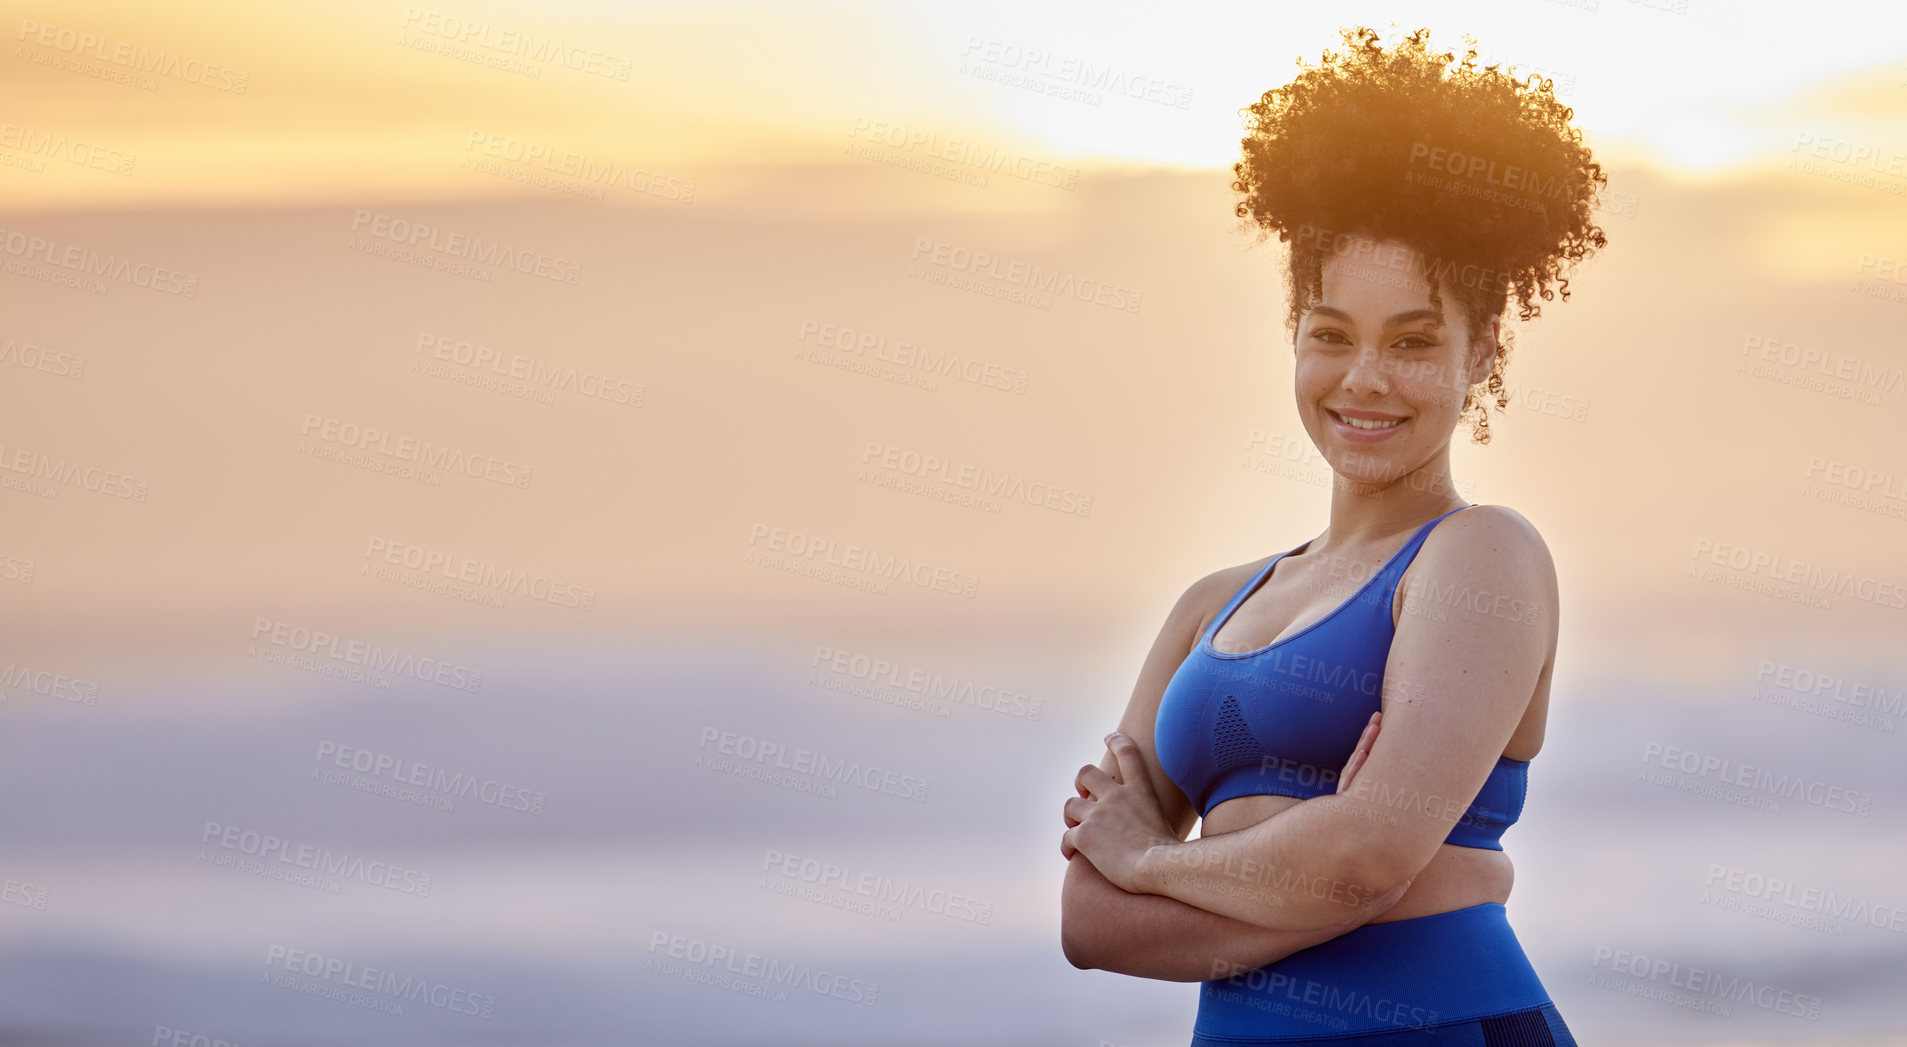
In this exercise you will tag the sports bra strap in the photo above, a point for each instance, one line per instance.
(1400, 560)
(1225, 612)
(1394, 568)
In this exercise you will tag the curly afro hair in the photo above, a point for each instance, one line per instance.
(1477, 170)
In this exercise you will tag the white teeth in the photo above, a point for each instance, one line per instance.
(1359, 423)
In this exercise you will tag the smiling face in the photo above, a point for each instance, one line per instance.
(1381, 371)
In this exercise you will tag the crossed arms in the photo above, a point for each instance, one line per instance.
(1141, 899)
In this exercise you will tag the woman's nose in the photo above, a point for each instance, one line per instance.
(1367, 374)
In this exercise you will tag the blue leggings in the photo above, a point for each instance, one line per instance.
(1455, 979)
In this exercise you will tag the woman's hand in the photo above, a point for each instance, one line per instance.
(1363, 750)
(1116, 817)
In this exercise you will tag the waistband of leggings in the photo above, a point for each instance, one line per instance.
(1381, 977)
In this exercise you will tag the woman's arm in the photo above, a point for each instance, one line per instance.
(1475, 667)
(1106, 927)
(1151, 936)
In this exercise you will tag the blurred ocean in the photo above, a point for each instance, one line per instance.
(656, 901)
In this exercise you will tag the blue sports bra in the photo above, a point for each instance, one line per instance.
(1283, 719)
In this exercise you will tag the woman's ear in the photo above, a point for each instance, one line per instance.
(1484, 350)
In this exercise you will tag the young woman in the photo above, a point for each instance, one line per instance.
(1353, 719)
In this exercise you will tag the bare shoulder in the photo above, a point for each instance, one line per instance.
(1195, 609)
(1488, 557)
(1204, 598)
(1197, 606)
(1492, 532)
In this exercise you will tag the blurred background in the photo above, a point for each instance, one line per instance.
(583, 523)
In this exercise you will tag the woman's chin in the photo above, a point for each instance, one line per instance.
(1368, 474)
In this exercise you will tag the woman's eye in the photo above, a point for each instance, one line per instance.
(1328, 335)
(1415, 341)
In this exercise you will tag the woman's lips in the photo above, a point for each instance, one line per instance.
(1354, 434)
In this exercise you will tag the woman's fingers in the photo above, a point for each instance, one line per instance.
(1363, 750)
(1129, 760)
(1350, 770)
(1091, 780)
(1070, 812)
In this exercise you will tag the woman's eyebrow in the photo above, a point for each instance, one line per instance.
(1401, 318)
